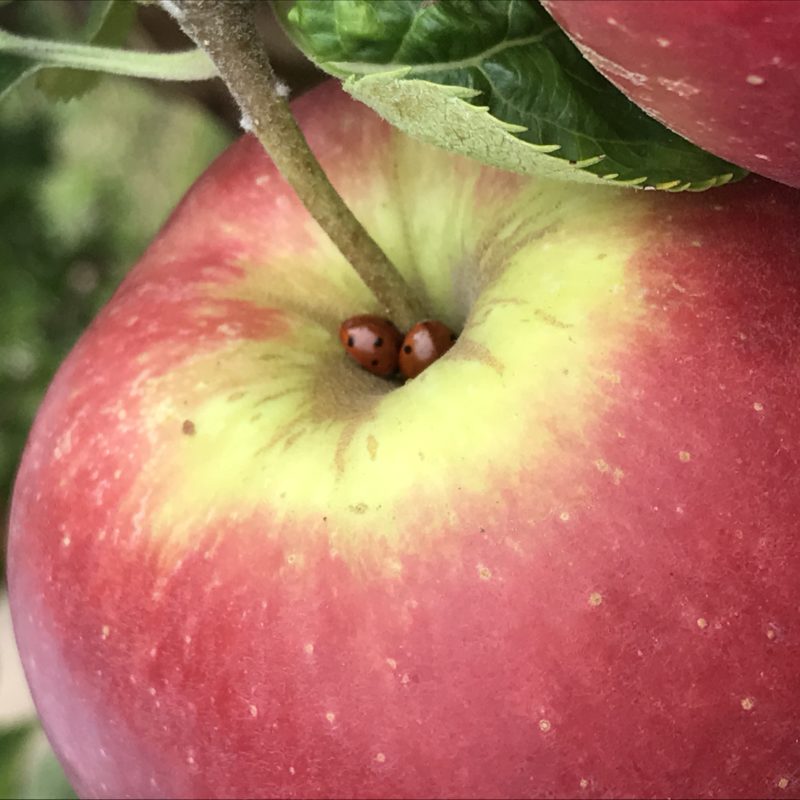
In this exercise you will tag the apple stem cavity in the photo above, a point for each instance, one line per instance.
(226, 31)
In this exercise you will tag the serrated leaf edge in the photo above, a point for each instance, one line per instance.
(465, 94)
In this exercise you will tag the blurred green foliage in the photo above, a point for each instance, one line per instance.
(107, 23)
(83, 187)
(28, 768)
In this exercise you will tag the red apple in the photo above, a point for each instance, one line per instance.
(563, 561)
(723, 74)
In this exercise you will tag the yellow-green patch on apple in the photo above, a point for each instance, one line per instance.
(562, 560)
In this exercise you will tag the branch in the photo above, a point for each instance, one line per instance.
(226, 31)
(191, 65)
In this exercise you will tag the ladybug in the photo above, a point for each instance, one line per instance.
(423, 344)
(373, 342)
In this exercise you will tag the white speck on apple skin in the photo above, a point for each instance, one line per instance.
(782, 783)
(545, 726)
(380, 758)
(484, 573)
(755, 80)
(685, 456)
(394, 567)
(662, 42)
(747, 703)
(772, 631)
(104, 632)
(226, 329)
(595, 599)
(308, 649)
(583, 783)
(606, 65)
(679, 87)
(702, 623)
(758, 406)
(253, 709)
(331, 717)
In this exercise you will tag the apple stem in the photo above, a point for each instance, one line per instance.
(227, 32)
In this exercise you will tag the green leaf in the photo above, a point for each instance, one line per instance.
(496, 80)
(28, 768)
(21, 56)
(108, 24)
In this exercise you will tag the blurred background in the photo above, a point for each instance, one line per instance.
(84, 186)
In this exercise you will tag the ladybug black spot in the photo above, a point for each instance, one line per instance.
(350, 341)
(378, 342)
(374, 362)
(407, 348)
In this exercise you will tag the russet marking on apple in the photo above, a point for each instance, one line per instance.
(595, 599)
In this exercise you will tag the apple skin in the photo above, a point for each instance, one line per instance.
(723, 74)
(563, 561)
